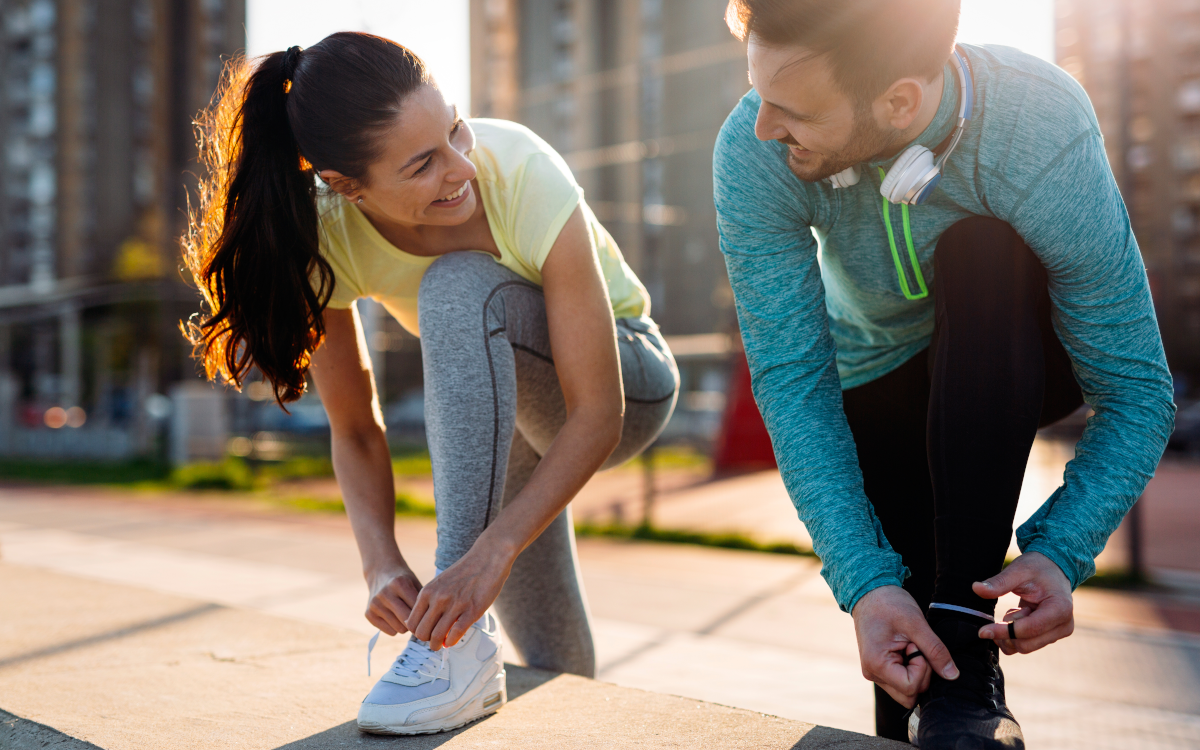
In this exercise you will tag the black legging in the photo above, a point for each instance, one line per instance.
(943, 440)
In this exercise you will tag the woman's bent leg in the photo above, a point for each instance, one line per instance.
(542, 605)
(493, 405)
(470, 389)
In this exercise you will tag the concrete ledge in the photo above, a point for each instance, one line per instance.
(21, 734)
(86, 665)
(548, 710)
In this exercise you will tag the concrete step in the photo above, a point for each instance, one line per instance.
(86, 664)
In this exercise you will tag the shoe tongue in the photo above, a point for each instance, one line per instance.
(414, 666)
(406, 680)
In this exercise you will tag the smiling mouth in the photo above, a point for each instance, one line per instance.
(453, 196)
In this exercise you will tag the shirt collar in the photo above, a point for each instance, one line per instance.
(943, 122)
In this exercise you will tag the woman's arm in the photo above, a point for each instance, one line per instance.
(341, 370)
(583, 339)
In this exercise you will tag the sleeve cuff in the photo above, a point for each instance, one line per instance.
(1076, 570)
(883, 580)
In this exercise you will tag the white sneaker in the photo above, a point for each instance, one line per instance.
(429, 691)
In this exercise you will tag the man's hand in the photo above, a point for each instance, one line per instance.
(1046, 613)
(890, 626)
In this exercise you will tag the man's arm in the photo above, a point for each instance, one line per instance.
(772, 260)
(771, 256)
(1075, 221)
(1073, 218)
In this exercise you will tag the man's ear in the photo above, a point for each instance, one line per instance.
(901, 103)
(347, 187)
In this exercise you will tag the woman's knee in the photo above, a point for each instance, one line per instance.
(457, 274)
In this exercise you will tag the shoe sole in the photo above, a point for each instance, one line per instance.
(490, 700)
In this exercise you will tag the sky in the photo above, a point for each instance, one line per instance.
(437, 29)
(1025, 24)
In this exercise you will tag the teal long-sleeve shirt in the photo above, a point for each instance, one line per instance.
(821, 307)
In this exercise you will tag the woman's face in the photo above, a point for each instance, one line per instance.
(422, 175)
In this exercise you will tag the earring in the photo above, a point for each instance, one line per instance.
(360, 199)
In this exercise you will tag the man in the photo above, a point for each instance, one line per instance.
(904, 367)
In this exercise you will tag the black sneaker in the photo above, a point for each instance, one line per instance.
(968, 713)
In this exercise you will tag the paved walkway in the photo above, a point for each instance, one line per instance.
(102, 665)
(759, 632)
(757, 505)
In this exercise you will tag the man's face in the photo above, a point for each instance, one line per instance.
(804, 108)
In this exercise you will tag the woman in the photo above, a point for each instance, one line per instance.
(541, 364)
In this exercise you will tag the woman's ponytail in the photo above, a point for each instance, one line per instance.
(252, 243)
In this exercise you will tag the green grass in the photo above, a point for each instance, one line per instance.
(84, 472)
(702, 539)
(415, 465)
(232, 474)
(406, 505)
(297, 467)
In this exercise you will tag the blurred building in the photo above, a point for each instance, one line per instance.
(96, 103)
(632, 93)
(1139, 61)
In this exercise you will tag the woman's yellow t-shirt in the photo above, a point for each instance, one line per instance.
(528, 192)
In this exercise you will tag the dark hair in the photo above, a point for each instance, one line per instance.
(871, 44)
(252, 241)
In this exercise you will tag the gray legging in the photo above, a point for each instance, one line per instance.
(493, 405)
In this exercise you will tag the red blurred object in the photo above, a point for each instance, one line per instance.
(743, 443)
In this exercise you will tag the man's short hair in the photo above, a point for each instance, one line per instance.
(870, 44)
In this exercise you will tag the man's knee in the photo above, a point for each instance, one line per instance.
(981, 258)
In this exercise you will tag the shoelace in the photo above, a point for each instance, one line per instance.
(416, 657)
(412, 660)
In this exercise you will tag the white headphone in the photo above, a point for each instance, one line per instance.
(916, 173)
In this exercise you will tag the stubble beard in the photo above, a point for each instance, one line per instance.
(865, 142)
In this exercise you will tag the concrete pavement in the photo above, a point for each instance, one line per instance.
(757, 505)
(100, 665)
(759, 632)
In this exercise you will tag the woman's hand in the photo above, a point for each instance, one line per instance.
(455, 599)
(393, 594)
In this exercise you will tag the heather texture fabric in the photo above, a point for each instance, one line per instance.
(493, 406)
(815, 322)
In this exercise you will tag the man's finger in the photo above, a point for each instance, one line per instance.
(1049, 615)
(934, 650)
(1000, 584)
(908, 701)
(1028, 646)
(914, 658)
